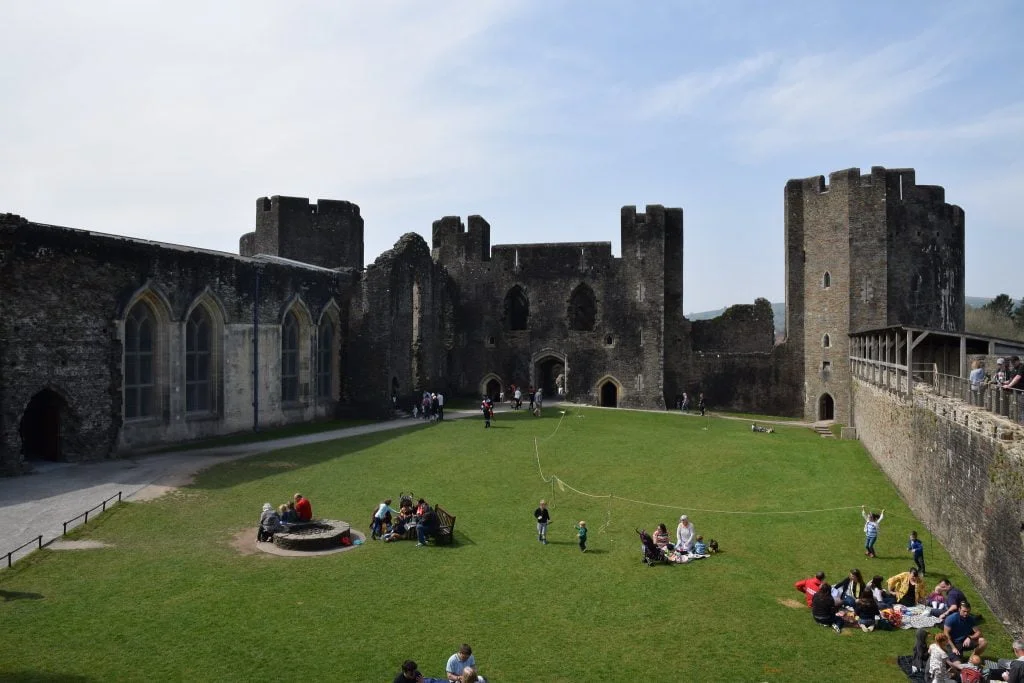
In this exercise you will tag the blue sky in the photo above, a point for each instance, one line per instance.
(167, 120)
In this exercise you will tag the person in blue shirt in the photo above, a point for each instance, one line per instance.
(917, 548)
(963, 633)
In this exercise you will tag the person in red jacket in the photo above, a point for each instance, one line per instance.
(810, 586)
(305, 509)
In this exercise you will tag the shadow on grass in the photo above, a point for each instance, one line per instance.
(10, 596)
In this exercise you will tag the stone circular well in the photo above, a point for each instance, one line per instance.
(322, 534)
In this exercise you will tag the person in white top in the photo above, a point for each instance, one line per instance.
(685, 535)
(938, 655)
(440, 406)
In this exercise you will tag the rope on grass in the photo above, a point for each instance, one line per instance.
(562, 486)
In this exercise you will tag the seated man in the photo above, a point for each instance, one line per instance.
(426, 524)
(303, 508)
(1016, 672)
(810, 586)
(963, 633)
(460, 663)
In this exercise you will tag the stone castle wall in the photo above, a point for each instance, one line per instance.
(66, 294)
(961, 471)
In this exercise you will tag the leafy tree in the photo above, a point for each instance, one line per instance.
(1002, 305)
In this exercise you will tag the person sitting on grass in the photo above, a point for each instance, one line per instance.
(660, 537)
(810, 587)
(686, 535)
(868, 614)
(963, 633)
(404, 522)
(884, 598)
(851, 588)
(908, 587)
(461, 662)
(824, 609)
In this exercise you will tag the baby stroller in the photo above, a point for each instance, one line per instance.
(652, 554)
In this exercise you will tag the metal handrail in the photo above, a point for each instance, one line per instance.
(86, 513)
(1008, 403)
(38, 540)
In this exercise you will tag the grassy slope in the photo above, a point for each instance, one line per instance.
(172, 599)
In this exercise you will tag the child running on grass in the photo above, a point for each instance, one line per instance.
(543, 517)
(871, 522)
(581, 531)
(917, 548)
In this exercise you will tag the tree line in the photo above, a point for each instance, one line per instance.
(1001, 317)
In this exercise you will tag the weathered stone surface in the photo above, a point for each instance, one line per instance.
(958, 475)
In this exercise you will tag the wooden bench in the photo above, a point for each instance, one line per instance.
(445, 525)
(444, 529)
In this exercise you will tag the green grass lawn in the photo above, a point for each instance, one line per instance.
(172, 599)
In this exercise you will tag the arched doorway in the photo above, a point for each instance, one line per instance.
(609, 395)
(550, 374)
(42, 426)
(493, 390)
(826, 408)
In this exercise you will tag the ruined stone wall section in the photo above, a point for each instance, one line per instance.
(327, 234)
(69, 339)
(961, 470)
(743, 328)
(402, 337)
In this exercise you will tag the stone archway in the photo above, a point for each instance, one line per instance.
(609, 395)
(44, 427)
(550, 375)
(491, 386)
(826, 407)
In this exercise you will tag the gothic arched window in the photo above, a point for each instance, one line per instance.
(139, 357)
(198, 362)
(517, 309)
(826, 280)
(290, 358)
(325, 359)
(582, 308)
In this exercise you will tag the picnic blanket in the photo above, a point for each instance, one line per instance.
(919, 616)
(683, 558)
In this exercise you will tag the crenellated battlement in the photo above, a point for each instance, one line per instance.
(328, 233)
(451, 241)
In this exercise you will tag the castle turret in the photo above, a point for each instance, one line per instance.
(865, 252)
(327, 234)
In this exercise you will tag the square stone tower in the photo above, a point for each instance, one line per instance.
(865, 252)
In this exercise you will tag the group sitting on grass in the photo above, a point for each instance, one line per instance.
(460, 668)
(280, 520)
(389, 525)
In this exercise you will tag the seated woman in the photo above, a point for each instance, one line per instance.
(908, 587)
(868, 614)
(270, 524)
(884, 598)
(405, 521)
(660, 537)
(850, 588)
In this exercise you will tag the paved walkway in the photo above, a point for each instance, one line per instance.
(40, 503)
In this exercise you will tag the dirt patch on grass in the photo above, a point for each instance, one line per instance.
(244, 542)
(77, 545)
(166, 485)
(791, 603)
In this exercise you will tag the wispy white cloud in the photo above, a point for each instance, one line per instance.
(832, 97)
(686, 93)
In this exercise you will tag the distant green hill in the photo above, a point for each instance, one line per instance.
(779, 311)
